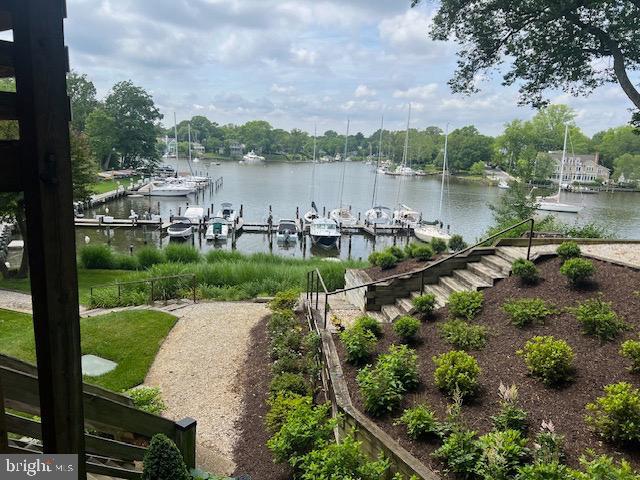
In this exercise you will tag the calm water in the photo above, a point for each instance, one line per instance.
(285, 186)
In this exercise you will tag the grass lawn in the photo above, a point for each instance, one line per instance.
(131, 339)
(110, 185)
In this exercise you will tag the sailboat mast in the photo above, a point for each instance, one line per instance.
(344, 164)
(405, 154)
(189, 142)
(375, 175)
(175, 131)
(564, 157)
(444, 170)
(313, 168)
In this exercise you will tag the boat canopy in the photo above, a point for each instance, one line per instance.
(181, 220)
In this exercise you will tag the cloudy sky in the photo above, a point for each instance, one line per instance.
(296, 63)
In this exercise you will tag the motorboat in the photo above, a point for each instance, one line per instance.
(195, 214)
(406, 216)
(168, 189)
(324, 233)
(228, 213)
(402, 170)
(427, 232)
(311, 215)
(503, 185)
(217, 229)
(180, 228)
(287, 231)
(252, 157)
(343, 217)
(378, 215)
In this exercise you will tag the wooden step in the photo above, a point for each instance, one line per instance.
(488, 274)
(391, 312)
(470, 279)
(440, 293)
(497, 263)
(510, 254)
(379, 316)
(451, 285)
(405, 305)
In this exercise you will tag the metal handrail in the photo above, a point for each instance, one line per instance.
(316, 273)
(148, 280)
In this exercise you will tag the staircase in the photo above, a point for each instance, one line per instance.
(476, 275)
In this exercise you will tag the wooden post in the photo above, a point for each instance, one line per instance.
(186, 441)
(43, 109)
(4, 440)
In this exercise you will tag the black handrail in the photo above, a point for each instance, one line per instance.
(152, 282)
(319, 280)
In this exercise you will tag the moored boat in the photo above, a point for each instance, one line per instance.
(217, 229)
(287, 231)
(324, 233)
(180, 228)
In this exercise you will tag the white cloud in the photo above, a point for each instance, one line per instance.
(422, 92)
(364, 91)
(276, 88)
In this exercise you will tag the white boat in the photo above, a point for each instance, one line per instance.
(168, 190)
(228, 213)
(287, 231)
(195, 214)
(252, 157)
(402, 171)
(310, 216)
(324, 233)
(217, 229)
(406, 216)
(427, 232)
(180, 228)
(343, 217)
(503, 185)
(378, 215)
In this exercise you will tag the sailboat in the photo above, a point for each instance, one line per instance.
(312, 214)
(552, 203)
(342, 215)
(377, 214)
(404, 215)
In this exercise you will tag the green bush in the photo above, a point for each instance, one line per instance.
(280, 406)
(402, 362)
(605, 468)
(148, 256)
(359, 344)
(510, 416)
(147, 399)
(425, 304)
(463, 335)
(305, 428)
(422, 252)
(368, 323)
(125, 262)
(544, 471)
(568, 250)
(163, 461)
(288, 363)
(181, 253)
(396, 252)
(616, 415)
(420, 421)
(578, 271)
(285, 300)
(548, 359)
(457, 243)
(527, 311)
(386, 261)
(287, 343)
(438, 245)
(406, 327)
(631, 350)
(502, 453)
(108, 297)
(466, 305)
(456, 372)
(599, 319)
(526, 270)
(281, 322)
(548, 445)
(288, 383)
(460, 453)
(380, 389)
(97, 256)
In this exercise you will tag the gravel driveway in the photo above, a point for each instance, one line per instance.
(197, 370)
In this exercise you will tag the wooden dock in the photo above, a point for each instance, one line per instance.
(118, 222)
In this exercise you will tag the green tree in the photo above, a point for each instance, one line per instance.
(615, 142)
(629, 166)
(256, 135)
(83, 165)
(103, 137)
(515, 205)
(551, 44)
(477, 169)
(82, 95)
(466, 147)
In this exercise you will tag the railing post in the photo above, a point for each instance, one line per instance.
(186, 441)
(422, 282)
(317, 288)
(326, 309)
(151, 300)
(308, 273)
(119, 291)
(530, 239)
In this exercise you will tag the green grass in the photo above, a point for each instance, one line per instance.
(131, 339)
(104, 186)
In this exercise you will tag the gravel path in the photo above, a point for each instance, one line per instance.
(197, 370)
(20, 302)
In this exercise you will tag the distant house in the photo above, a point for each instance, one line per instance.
(236, 149)
(579, 168)
(197, 148)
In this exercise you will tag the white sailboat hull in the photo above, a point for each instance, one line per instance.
(558, 207)
(343, 217)
(426, 233)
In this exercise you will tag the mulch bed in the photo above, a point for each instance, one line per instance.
(405, 266)
(251, 455)
(596, 365)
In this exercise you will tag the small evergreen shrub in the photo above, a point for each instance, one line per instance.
(526, 270)
(503, 452)
(599, 319)
(456, 372)
(527, 311)
(177, 253)
(147, 399)
(465, 305)
(460, 453)
(396, 252)
(359, 343)
(438, 245)
(578, 271)
(406, 327)
(286, 383)
(148, 256)
(605, 468)
(425, 304)
(548, 359)
(386, 261)
(568, 250)
(163, 460)
(368, 323)
(280, 406)
(420, 421)
(422, 252)
(510, 417)
(616, 415)
(284, 300)
(97, 256)
(457, 243)
(463, 335)
(380, 389)
(631, 350)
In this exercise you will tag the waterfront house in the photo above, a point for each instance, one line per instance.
(582, 168)
(235, 149)
(197, 148)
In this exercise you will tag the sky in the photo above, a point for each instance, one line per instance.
(297, 64)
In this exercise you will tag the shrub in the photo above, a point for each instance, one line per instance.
(96, 256)
(438, 245)
(177, 253)
(460, 453)
(548, 445)
(149, 256)
(125, 262)
(548, 359)
(568, 250)
(289, 362)
(605, 468)
(425, 304)
(387, 261)
(465, 305)
(280, 322)
(462, 335)
(598, 318)
(502, 452)
(147, 399)
(396, 252)
(288, 383)
(510, 417)
(380, 389)
(631, 350)
(285, 300)
(402, 362)
(306, 427)
(616, 415)
(368, 323)
(544, 471)
(526, 270)
(163, 460)
(280, 406)
(287, 343)
(526, 311)
(456, 371)
(406, 327)
(420, 422)
(359, 343)
(422, 252)
(457, 243)
(578, 271)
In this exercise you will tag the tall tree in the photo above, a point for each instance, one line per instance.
(615, 142)
(574, 45)
(83, 165)
(82, 95)
(466, 147)
(102, 133)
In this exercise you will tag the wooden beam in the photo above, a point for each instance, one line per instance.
(10, 165)
(42, 103)
(5, 20)
(6, 59)
(8, 106)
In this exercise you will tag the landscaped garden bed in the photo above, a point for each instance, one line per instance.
(596, 362)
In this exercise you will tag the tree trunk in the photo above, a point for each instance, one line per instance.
(623, 79)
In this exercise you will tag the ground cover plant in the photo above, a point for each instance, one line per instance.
(597, 318)
(463, 335)
(631, 350)
(527, 311)
(548, 359)
(578, 271)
